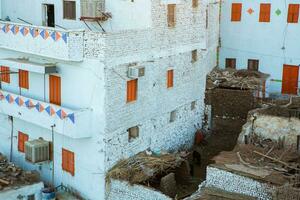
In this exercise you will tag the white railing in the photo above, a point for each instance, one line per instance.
(42, 41)
(68, 122)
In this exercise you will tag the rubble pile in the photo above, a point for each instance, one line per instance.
(142, 167)
(241, 79)
(11, 175)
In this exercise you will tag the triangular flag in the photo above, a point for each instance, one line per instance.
(39, 107)
(34, 32)
(55, 36)
(24, 31)
(15, 29)
(1, 96)
(9, 98)
(44, 34)
(19, 101)
(72, 117)
(62, 114)
(29, 104)
(50, 110)
(65, 37)
(5, 28)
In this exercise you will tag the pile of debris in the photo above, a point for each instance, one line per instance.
(12, 176)
(142, 167)
(232, 78)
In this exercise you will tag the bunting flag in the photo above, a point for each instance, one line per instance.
(65, 37)
(72, 117)
(15, 29)
(19, 101)
(9, 98)
(50, 110)
(39, 107)
(29, 104)
(44, 34)
(61, 114)
(55, 36)
(24, 31)
(5, 28)
(34, 32)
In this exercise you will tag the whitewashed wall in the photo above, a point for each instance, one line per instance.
(251, 39)
(23, 191)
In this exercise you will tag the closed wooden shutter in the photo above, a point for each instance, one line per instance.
(132, 90)
(265, 11)
(55, 89)
(290, 79)
(5, 76)
(22, 138)
(69, 9)
(170, 78)
(171, 15)
(236, 12)
(23, 79)
(293, 13)
(68, 161)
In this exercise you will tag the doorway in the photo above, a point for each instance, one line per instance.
(290, 79)
(55, 90)
(49, 15)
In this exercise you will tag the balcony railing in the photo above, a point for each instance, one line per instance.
(43, 41)
(71, 123)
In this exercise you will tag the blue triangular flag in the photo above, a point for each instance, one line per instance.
(65, 37)
(72, 117)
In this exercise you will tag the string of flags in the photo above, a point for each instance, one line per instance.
(35, 32)
(38, 107)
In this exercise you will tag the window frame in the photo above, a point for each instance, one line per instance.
(265, 12)
(65, 11)
(236, 12)
(22, 138)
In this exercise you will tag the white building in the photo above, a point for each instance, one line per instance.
(263, 35)
(70, 84)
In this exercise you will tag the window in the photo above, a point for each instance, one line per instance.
(195, 3)
(253, 64)
(265, 10)
(170, 78)
(55, 89)
(68, 161)
(236, 12)
(194, 55)
(69, 9)
(230, 63)
(23, 79)
(132, 90)
(171, 15)
(193, 105)
(293, 13)
(22, 138)
(31, 197)
(5, 76)
(133, 133)
(173, 116)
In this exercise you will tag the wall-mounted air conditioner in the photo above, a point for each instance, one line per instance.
(37, 151)
(92, 8)
(136, 72)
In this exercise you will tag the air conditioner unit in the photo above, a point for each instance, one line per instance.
(136, 72)
(37, 151)
(92, 8)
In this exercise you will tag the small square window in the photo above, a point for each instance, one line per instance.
(173, 116)
(193, 105)
(31, 197)
(133, 133)
(194, 55)
(195, 3)
(231, 63)
(253, 65)
(69, 9)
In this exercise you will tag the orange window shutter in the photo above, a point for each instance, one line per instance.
(72, 163)
(22, 138)
(293, 13)
(68, 161)
(236, 12)
(23, 79)
(55, 89)
(265, 12)
(170, 78)
(132, 90)
(5, 76)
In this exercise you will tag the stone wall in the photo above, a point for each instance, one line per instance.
(119, 190)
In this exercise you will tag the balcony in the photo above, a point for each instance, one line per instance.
(70, 123)
(43, 41)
